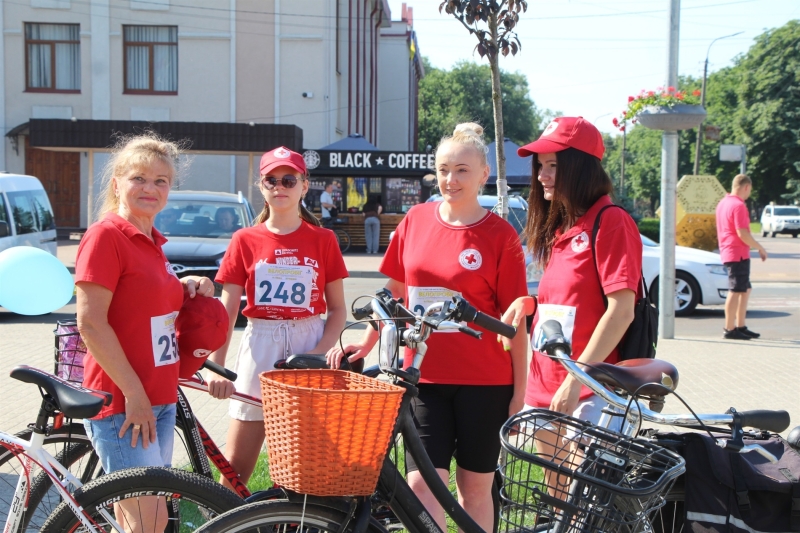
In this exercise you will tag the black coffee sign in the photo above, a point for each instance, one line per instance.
(368, 163)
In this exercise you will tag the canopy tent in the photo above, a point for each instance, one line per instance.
(518, 169)
(354, 141)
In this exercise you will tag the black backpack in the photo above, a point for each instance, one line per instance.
(641, 338)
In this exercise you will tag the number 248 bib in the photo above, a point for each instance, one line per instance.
(283, 285)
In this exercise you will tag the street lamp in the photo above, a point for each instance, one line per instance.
(703, 103)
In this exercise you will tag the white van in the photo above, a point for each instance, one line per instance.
(26, 218)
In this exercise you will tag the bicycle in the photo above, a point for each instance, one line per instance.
(342, 237)
(90, 505)
(299, 512)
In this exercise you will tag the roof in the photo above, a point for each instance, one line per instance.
(518, 169)
(354, 141)
(208, 137)
(18, 182)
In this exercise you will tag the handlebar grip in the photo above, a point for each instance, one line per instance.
(361, 313)
(555, 340)
(471, 332)
(552, 328)
(494, 325)
(230, 375)
(775, 421)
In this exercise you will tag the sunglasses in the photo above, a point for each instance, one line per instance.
(288, 181)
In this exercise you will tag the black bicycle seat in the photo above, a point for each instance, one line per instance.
(73, 401)
(645, 377)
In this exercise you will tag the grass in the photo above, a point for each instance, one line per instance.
(755, 228)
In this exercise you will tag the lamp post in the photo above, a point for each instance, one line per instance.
(703, 103)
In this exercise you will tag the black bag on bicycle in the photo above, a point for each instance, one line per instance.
(729, 492)
(641, 338)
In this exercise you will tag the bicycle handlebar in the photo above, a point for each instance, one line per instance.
(230, 375)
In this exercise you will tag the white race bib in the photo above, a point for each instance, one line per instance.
(165, 345)
(284, 285)
(420, 298)
(563, 314)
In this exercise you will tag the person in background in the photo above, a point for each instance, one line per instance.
(292, 272)
(735, 241)
(128, 298)
(225, 217)
(326, 203)
(372, 223)
(167, 220)
(468, 387)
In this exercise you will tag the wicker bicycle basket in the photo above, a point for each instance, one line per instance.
(327, 430)
(564, 474)
(69, 351)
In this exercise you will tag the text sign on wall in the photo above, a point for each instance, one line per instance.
(368, 163)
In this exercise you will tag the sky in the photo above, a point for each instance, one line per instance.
(586, 57)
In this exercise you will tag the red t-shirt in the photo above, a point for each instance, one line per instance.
(147, 297)
(732, 215)
(284, 276)
(484, 263)
(569, 290)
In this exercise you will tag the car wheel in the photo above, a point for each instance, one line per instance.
(687, 293)
(764, 233)
(773, 234)
(794, 235)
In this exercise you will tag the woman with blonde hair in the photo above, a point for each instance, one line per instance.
(468, 387)
(127, 300)
(292, 272)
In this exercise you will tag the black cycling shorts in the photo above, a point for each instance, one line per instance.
(461, 420)
(738, 275)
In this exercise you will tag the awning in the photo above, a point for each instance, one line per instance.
(354, 141)
(518, 169)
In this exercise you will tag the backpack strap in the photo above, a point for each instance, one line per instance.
(740, 486)
(794, 519)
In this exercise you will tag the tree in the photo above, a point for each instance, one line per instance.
(500, 18)
(464, 94)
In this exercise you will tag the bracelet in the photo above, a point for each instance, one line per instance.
(529, 303)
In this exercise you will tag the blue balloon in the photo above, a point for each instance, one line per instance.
(33, 282)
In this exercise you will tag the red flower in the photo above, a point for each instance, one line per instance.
(634, 121)
(615, 121)
(651, 93)
(679, 96)
(670, 89)
(622, 128)
(696, 92)
(631, 99)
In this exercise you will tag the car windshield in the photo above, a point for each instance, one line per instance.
(197, 218)
(517, 217)
(649, 242)
(787, 211)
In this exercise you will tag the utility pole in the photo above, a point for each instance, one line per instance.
(703, 103)
(669, 179)
(622, 166)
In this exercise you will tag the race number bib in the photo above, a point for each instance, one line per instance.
(165, 345)
(284, 285)
(563, 314)
(420, 298)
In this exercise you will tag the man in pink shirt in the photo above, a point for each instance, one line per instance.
(735, 241)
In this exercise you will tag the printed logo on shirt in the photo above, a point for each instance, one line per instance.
(286, 251)
(311, 262)
(580, 242)
(470, 259)
(287, 260)
(170, 270)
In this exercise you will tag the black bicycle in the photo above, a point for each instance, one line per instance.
(342, 236)
(651, 472)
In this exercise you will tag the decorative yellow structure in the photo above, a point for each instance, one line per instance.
(698, 197)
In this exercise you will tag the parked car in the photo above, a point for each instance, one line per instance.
(26, 217)
(780, 219)
(199, 227)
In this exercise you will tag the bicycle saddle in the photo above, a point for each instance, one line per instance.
(645, 377)
(73, 401)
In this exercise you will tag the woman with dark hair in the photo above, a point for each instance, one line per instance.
(592, 295)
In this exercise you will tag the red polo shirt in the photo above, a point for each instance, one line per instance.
(116, 255)
(570, 292)
(483, 262)
(732, 215)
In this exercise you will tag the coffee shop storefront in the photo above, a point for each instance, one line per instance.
(400, 180)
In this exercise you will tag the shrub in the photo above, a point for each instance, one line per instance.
(650, 227)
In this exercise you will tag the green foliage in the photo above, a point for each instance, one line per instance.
(464, 94)
(794, 190)
(650, 227)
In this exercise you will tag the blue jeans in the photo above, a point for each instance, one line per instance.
(372, 234)
(116, 453)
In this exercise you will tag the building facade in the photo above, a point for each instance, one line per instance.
(316, 64)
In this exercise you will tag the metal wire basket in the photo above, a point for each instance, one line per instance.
(561, 474)
(69, 351)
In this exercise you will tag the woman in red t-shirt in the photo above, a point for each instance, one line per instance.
(570, 188)
(468, 387)
(292, 272)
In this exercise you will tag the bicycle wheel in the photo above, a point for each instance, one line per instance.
(344, 239)
(281, 516)
(72, 448)
(191, 500)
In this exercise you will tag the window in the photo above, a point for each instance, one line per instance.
(151, 59)
(5, 230)
(53, 57)
(42, 210)
(22, 212)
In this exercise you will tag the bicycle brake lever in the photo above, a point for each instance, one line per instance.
(723, 443)
(471, 332)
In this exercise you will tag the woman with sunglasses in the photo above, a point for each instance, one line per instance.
(292, 271)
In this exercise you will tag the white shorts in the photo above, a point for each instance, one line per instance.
(590, 409)
(265, 342)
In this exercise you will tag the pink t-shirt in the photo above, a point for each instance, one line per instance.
(732, 215)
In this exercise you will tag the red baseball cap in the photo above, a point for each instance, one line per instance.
(280, 157)
(567, 132)
(201, 328)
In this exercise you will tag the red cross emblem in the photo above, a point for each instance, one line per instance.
(580, 242)
(470, 259)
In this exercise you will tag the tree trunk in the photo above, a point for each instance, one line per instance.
(497, 104)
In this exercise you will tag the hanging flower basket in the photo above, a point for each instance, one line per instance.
(677, 117)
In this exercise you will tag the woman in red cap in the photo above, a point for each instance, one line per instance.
(591, 295)
(292, 271)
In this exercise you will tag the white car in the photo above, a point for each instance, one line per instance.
(780, 219)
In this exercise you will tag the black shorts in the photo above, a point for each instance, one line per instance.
(738, 275)
(461, 420)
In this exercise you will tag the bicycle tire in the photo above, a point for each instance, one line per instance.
(185, 489)
(276, 515)
(344, 239)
